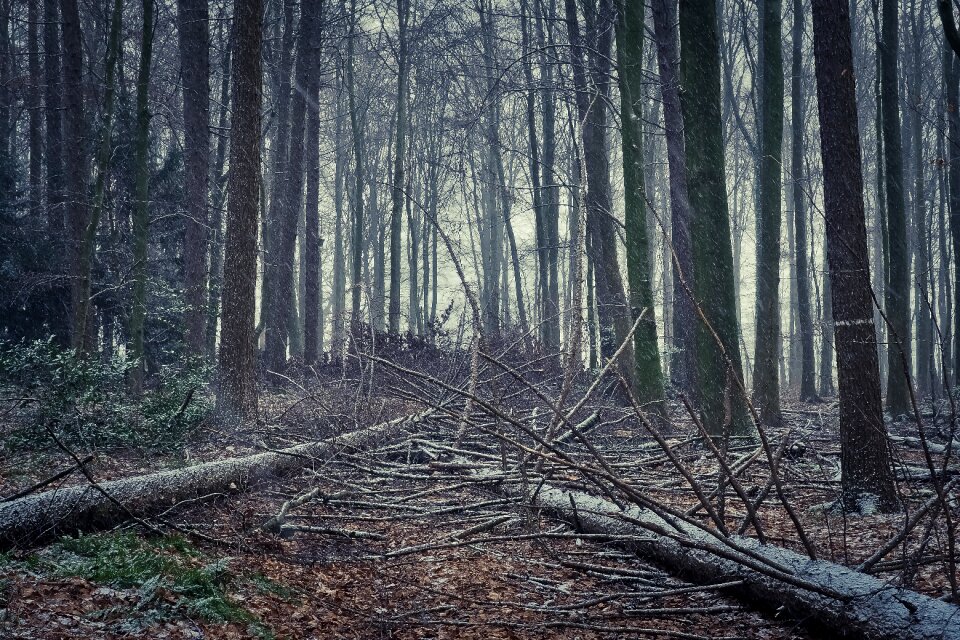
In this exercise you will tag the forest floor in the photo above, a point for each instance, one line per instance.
(430, 554)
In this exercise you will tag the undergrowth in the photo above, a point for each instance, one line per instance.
(86, 403)
(168, 576)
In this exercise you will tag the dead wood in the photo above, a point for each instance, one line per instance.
(38, 518)
(861, 606)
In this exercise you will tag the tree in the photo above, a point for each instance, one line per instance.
(683, 362)
(237, 391)
(313, 318)
(399, 165)
(718, 356)
(897, 293)
(356, 285)
(766, 383)
(808, 389)
(648, 375)
(75, 164)
(865, 464)
(274, 321)
(284, 242)
(141, 210)
(53, 155)
(193, 20)
(592, 52)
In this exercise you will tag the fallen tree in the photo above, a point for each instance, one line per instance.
(95, 506)
(845, 601)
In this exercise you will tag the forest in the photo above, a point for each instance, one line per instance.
(523, 319)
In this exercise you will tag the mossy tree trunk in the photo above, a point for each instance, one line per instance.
(718, 354)
(766, 381)
(648, 374)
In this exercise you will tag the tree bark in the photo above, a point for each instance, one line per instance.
(193, 19)
(75, 192)
(43, 516)
(897, 295)
(808, 390)
(865, 465)
(766, 383)
(648, 374)
(141, 209)
(710, 226)
(399, 166)
(237, 392)
(59, 308)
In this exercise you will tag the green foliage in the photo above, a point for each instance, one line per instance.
(85, 400)
(167, 574)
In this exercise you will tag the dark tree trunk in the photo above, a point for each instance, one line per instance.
(710, 226)
(648, 374)
(399, 166)
(283, 253)
(275, 324)
(237, 393)
(312, 242)
(141, 209)
(808, 390)
(898, 288)
(683, 362)
(59, 309)
(592, 93)
(75, 164)
(766, 383)
(865, 457)
(193, 19)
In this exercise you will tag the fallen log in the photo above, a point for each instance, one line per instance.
(842, 601)
(43, 516)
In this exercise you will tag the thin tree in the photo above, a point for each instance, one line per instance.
(808, 389)
(75, 192)
(766, 382)
(237, 391)
(313, 312)
(60, 308)
(399, 165)
(356, 285)
(897, 294)
(717, 364)
(683, 362)
(865, 465)
(648, 374)
(141, 209)
(193, 19)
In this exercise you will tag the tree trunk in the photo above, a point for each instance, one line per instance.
(237, 392)
(808, 389)
(648, 374)
(866, 471)
(357, 283)
(399, 164)
(288, 210)
(766, 383)
(193, 19)
(313, 321)
(274, 322)
(75, 135)
(84, 508)
(710, 226)
(59, 308)
(613, 311)
(683, 362)
(898, 288)
(219, 199)
(868, 607)
(141, 209)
